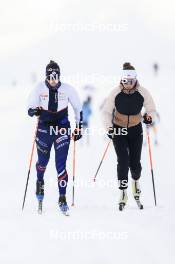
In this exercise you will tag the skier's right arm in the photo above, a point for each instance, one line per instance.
(108, 109)
(33, 103)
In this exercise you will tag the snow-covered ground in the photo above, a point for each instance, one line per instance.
(95, 232)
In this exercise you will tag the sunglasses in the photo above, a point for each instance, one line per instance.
(52, 69)
(128, 81)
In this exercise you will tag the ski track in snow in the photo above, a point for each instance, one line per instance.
(95, 232)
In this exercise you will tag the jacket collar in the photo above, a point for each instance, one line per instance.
(53, 88)
(131, 91)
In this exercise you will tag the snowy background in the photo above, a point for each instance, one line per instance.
(90, 40)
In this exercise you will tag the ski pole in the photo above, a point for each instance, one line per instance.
(102, 159)
(30, 165)
(73, 187)
(151, 163)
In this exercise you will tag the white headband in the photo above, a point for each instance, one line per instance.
(129, 74)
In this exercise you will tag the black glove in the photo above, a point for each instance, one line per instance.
(36, 111)
(147, 119)
(110, 133)
(77, 134)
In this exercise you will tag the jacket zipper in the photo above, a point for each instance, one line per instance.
(128, 115)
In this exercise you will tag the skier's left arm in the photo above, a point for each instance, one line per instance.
(149, 106)
(77, 107)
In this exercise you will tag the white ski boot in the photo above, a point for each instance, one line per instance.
(123, 199)
(136, 193)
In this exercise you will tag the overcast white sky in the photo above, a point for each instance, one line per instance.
(28, 26)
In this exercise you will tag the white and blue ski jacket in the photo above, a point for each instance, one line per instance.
(54, 102)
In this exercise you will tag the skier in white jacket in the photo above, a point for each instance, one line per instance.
(49, 101)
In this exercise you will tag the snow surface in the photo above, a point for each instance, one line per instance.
(95, 232)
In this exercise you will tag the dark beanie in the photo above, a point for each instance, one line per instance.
(128, 66)
(51, 68)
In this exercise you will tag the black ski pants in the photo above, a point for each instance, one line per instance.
(128, 149)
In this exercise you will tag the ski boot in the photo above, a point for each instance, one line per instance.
(136, 193)
(63, 205)
(123, 199)
(40, 195)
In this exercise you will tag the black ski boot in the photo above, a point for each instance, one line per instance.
(40, 195)
(63, 205)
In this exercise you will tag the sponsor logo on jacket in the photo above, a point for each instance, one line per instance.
(61, 96)
(44, 96)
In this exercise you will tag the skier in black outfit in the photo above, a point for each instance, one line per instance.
(122, 120)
